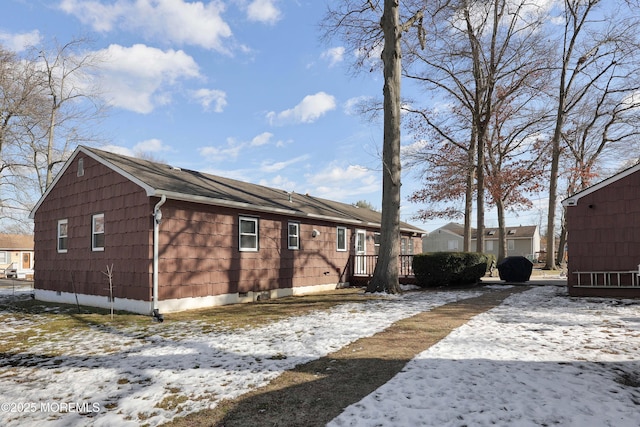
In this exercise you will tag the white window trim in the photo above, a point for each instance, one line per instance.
(511, 245)
(240, 234)
(297, 235)
(94, 233)
(60, 222)
(345, 246)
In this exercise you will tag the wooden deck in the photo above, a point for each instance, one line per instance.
(361, 267)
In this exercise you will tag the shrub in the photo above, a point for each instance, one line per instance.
(449, 268)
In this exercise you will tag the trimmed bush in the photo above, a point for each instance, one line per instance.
(449, 268)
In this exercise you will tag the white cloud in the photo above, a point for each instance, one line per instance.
(233, 148)
(139, 78)
(280, 182)
(206, 97)
(311, 108)
(262, 139)
(278, 166)
(352, 106)
(153, 145)
(333, 55)
(224, 153)
(21, 41)
(117, 149)
(171, 21)
(264, 11)
(337, 182)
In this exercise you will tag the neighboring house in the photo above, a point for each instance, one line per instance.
(178, 239)
(16, 256)
(603, 237)
(448, 238)
(521, 241)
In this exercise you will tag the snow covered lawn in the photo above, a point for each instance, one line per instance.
(540, 358)
(149, 375)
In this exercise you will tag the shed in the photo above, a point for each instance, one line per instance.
(603, 237)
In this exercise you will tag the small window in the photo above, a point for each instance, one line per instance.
(80, 166)
(453, 245)
(294, 235)
(403, 246)
(488, 245)
(511, 245)
(97, 232)
(411, 246)
(248, 234)
(62, 235)
(342, 239)
(3, 258)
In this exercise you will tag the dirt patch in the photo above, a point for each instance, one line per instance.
(316, 392)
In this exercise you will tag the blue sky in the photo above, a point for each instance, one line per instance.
(239, 88)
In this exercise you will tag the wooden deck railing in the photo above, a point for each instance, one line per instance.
(364, 265)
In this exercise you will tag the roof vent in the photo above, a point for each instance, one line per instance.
(512, 232)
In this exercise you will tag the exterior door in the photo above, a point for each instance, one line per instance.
(361, 251)
(26, 260)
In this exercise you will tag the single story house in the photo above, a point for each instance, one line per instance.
(177, 239)
(16, 256)
(521, 240)
(603, 237)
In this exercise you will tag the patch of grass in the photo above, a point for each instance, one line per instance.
(239, 316)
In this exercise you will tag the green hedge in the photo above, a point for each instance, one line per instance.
(450, 268)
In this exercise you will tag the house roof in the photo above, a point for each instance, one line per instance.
(523, 231)
(16, 242)
(520, 232)
(175, 183)
(573, 200)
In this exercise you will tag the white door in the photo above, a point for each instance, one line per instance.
(361, 251)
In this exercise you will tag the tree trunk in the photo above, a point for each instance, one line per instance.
(502, 231)
(385, 276)
(468, 200)
(562, 242)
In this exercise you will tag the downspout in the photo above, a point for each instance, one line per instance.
(157, 218)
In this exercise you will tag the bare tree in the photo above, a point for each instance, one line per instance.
(368, 27)
(73, 100)
(474, 48)
(49, 105)
(596, 43)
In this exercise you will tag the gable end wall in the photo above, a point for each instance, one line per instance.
(128, 235)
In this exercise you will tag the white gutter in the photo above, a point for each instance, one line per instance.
(157, 218)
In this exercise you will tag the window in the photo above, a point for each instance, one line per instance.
(80, 166)
(294, 235)
(376, 243)
(342, 238)
(248, 234)
(453, 245)
(511, 245)
(410, 246)
(488, 245)
(3, 258)
(403, 246)
(62, 235)
(97, 232)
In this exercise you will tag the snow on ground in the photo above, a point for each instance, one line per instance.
(127, 377)
(539, 359)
